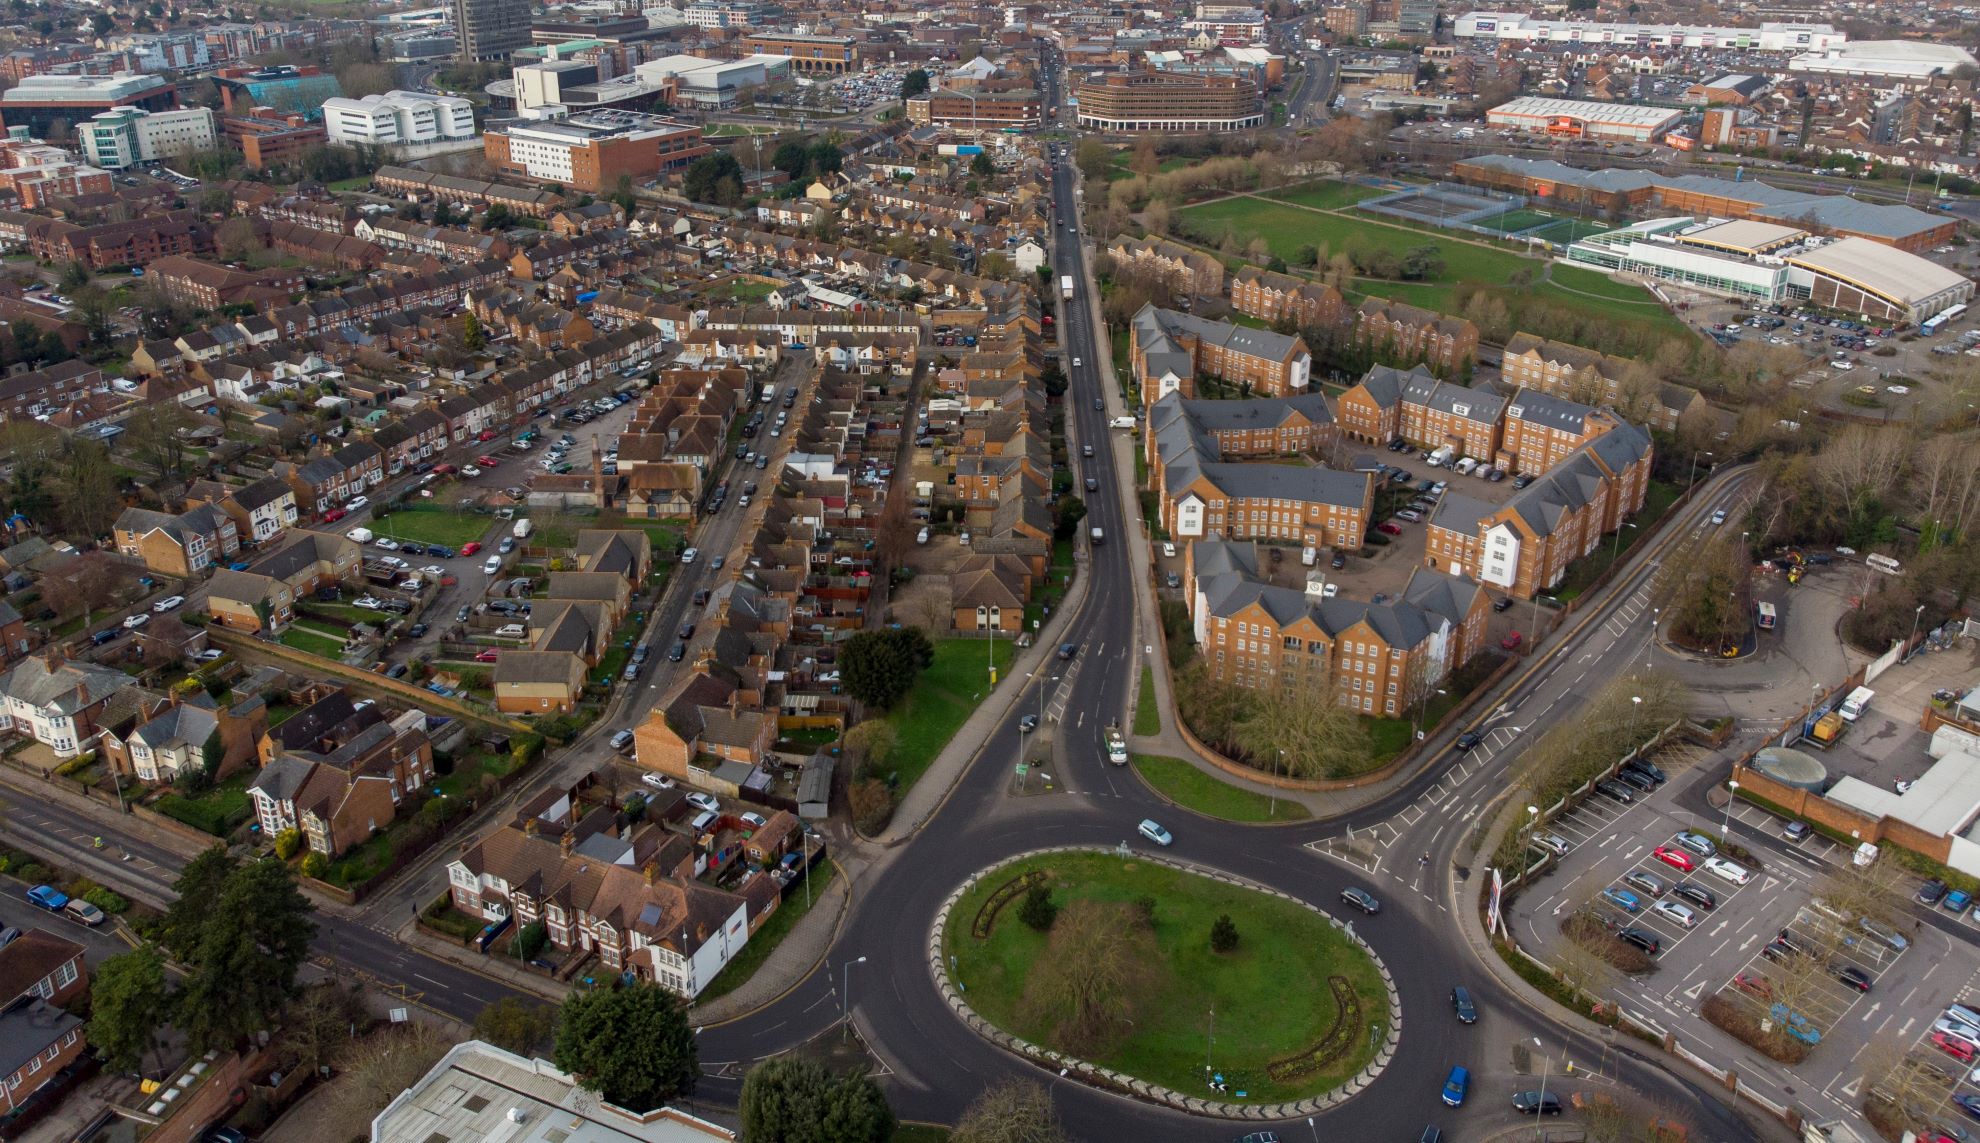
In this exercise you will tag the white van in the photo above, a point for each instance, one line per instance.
(511, 631)
(1856, 703)
(360, 535)
(1464, 467)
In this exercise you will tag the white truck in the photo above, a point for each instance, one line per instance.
(1065, 286)
(1117, 751)
(522, 529)
(1097, 536)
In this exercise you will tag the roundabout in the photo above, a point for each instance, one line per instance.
(1117, 983)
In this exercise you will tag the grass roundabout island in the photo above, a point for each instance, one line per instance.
(1119, 962)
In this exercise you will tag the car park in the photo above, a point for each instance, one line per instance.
(1153, 831)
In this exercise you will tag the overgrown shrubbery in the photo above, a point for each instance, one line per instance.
(1743, 1024)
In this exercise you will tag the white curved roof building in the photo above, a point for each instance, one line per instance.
(1908, 58)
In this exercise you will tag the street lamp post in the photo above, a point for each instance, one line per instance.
(1693, 478)
(1915, 617)
(845, 984)
(1616, 549)
(1725, 828)
(1538, 1112)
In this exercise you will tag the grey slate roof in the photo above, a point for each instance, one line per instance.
(1540, 408)
(1288, 482)
(283, 778)
(188, 724)
(69, 688)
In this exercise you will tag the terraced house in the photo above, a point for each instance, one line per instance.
(1204, 497)
(1525, 545)
(1414, 405)
(339, 770)
(1375, 658)
(1542, 431)
(1273, 297)
(1187, 271)
(1170, 350)
(262, 596)
(1449, 345)
(180, 544)
(1560, 369)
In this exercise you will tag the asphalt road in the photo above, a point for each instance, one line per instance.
(935, 1065)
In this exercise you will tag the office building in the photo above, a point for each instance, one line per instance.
(399, 117)
(809, 55)
(591, 150)
(491, 29)
(128, 136)
(1160, 101)
(269, 139)
(975, 111)
(284, 90)
(40, 102)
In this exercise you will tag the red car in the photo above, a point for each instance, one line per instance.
(1389, 529)
(1512, 641)
(1677, 858)
(487, 462)
(486, 435)
(487, 656)
(334, 515)
(446, 469)
(471, 547)
(1757, 985)
(1953, 1046)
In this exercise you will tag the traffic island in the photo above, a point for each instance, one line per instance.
(1167, 982)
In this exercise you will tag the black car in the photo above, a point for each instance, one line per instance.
(1099, 404)
(1641, 938)
(397, 671)
(1930, 892)
(678, 653)
(1616, 790)
(1633, 778)
(1649, 770)
(687, 629)
(416, 630)
(640, 653)
(1092, 485)
(398, 607)
(742, 450)
(412, 549)
(437, 550)
(1696, 894)
(1536, 1103)
(1362, 899)
(1851, 975)
(1338, 562)
(1467, 1013)
(1468, 739)
(102, 637)
(1502, 604)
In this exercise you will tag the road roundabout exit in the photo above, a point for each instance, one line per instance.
(1296, 1015)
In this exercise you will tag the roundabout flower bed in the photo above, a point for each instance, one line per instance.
(1301, 1008)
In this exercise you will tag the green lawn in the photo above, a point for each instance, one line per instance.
(1147, 719)
(740, 290)
(766, 939)
(303, 639)
(362, 862)
(1118, 169)
(1270, 995)
(426, 525)
(1287, 228)
(218, 811)
(942, 698)
(468, 772)
(347, 185)
(1326, 194)
(1193, 789)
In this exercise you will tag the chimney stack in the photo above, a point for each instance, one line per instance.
(566, 843)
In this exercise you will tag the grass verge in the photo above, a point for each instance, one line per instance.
(1273, 985)
(310, 642)
(1582, 573)
(1207, 794)
(942, 699)
(745, 963)
(1147, 718)
(426, 525)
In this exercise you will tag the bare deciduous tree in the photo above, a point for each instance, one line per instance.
(1015, 1111)
(1085, 985)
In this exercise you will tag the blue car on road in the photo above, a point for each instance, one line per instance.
(1455, 1087)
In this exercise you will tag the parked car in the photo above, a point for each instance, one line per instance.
(1675, 912)
(1676, 858)
(1931, 892)
(1728, 870)
(1851, 975)
(1512, 641)
(1696, 894)
(1956, 901)
(703, 801)
(1616, 790)
(472, 547)
(48, 897)
(133, 622)
(1468, 740)
(1623, 899)
(1648, 882)
(1644, 939)
(169, 603)
(1536, 1103)
(1554, 843)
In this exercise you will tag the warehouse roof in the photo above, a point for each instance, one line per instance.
(1744, 235)
(1623, 114)
(1882, 269)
